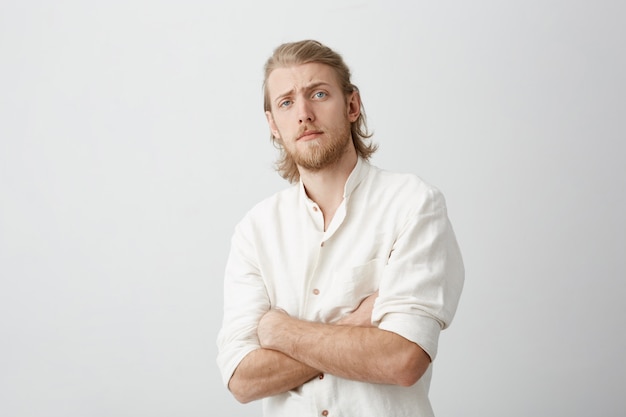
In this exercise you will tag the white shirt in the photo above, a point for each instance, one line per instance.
(390, 233)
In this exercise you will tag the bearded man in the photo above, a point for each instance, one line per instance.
(336, 288)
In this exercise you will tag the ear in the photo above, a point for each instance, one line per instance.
(354, 106)
(272, 124)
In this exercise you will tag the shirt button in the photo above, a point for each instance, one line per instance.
(325, 412)
(321, 376)
(315, 208)
(316, 291)
(322, 244)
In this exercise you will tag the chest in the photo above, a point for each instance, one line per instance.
(322, 276)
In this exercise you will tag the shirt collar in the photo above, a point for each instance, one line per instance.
(356, 176)
(359, 172)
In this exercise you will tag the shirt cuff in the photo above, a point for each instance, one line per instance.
(420, 329)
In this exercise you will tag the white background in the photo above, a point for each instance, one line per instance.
(132, 139)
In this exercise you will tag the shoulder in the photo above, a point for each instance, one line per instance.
(271, 207)
(407, 188)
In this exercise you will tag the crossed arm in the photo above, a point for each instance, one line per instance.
(294, 351)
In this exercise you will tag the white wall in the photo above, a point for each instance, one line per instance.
(132, 139)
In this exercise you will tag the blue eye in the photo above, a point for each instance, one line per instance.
(285, 103)
(320, 94)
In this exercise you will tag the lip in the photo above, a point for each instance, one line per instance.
(309, 134)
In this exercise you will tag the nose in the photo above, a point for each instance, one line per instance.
(305, 112)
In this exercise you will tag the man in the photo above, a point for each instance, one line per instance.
(336, 289)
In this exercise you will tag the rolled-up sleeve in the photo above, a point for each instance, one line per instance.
(245, 302)
(423, 279)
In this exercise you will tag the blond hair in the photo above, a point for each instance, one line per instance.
(302, 52)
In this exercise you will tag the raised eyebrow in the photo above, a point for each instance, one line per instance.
(308, 88)
(315, 86)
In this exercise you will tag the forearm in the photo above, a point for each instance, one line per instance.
(265, 372)
(358, 353)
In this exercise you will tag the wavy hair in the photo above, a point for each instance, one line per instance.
(303, 52)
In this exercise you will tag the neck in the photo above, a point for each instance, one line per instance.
(326, 186)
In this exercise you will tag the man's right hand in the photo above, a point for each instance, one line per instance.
(362, 316)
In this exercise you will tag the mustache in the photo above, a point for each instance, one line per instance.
(307, 128)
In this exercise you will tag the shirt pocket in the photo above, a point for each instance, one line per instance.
(348, 287)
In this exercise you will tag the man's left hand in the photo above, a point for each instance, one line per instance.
(270, 327)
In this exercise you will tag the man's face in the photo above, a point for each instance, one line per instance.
(310, 115)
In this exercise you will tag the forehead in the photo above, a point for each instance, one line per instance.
(298, 77)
